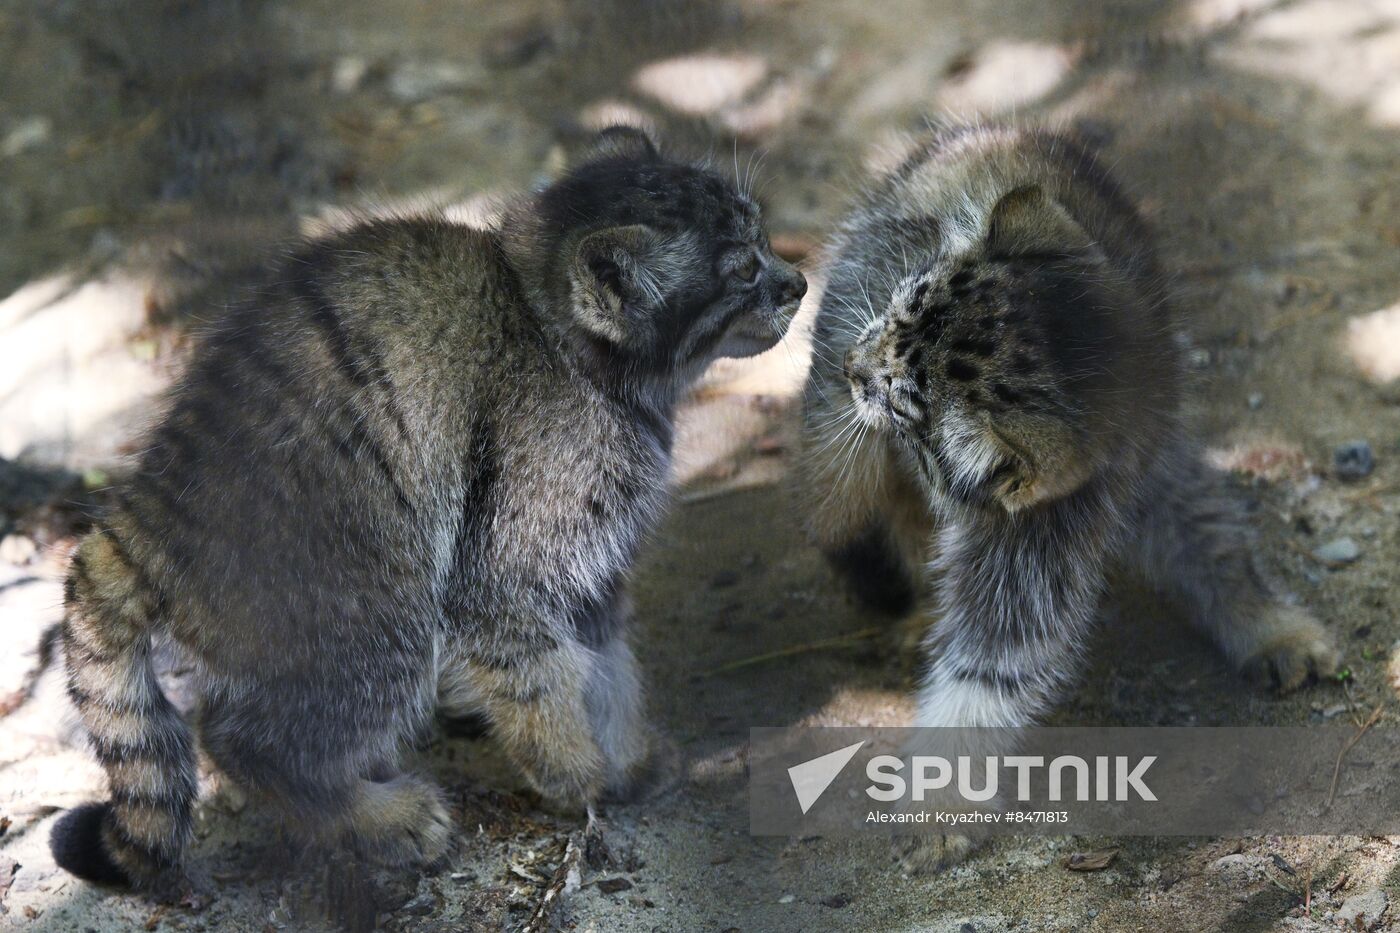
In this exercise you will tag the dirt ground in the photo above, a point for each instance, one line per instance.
(152, 152)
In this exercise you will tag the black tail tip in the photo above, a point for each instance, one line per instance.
(76, 842)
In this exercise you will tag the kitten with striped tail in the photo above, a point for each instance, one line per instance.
(415, 473)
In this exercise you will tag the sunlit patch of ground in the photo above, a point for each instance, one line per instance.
(1350, 51)
(78, 379)
(1373, 340)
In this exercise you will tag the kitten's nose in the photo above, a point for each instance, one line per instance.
(788, 286)
(795, 287)
(849, 368)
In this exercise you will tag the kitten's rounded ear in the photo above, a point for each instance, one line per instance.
(620, 141)
(613, 288)
(1028, 220)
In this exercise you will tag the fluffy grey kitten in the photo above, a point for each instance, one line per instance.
(997, 397)
(415, 473)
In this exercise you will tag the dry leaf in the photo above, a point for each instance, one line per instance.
(1091, 861)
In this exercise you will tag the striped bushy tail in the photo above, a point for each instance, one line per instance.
(137, 837)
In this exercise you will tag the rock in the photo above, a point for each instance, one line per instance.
(787, 899)
(836, 901)
(1338, 551)
(1238, 868)
(1363, 911)
(1255, 401)
(28, 133)
(1353, 460)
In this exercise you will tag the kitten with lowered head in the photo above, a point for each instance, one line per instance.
(997, 396)
(415, 473)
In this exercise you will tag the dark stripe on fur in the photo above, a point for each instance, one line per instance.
(478, 492)
(360, 443)
(995, 680)
(359, 363)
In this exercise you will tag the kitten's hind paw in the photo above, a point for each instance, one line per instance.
(1293, 650)
(919, 855)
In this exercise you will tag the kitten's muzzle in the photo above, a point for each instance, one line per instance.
(864, 386)
(790, 288)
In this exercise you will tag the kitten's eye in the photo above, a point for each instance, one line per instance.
(746, 269)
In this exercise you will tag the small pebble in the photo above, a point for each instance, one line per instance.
(787, 899)
(1256, 401)
(1338, 551)
(1353, 460)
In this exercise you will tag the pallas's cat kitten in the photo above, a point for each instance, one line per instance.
(997, 397)
(416, 472)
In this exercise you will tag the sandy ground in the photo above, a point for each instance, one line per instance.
(151, 153)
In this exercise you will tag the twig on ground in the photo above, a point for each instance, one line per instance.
(565, 878)
(841, 641)
(1337, 769)
(1307, 312)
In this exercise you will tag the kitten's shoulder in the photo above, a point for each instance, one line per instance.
(420, 247)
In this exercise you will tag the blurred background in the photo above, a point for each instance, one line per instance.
(155, 153)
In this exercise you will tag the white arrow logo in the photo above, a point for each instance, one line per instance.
(811, 778)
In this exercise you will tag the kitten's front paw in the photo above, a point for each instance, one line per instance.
(1293, 649)
(918, 855)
